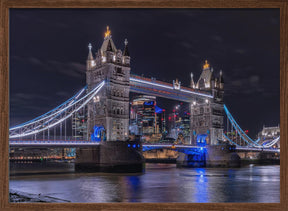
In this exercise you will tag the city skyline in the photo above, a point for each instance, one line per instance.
(162, 44)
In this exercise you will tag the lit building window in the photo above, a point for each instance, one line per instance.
(103, 59)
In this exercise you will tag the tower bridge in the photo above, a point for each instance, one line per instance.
(99, 114)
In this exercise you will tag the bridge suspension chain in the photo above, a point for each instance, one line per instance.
(243, 135)
(56, 116)
(50, 113)
(239, 130)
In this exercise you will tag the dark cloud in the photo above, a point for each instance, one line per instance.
(71, 69)
(61, 93)
(186, 45)
(240, 51)
(217, 38)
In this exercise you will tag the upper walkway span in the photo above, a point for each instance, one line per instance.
(158, 88)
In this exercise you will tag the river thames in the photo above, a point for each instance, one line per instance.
(160, 183)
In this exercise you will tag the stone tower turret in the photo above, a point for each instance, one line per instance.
(111, 108)
(207, 114)
(90, 60)
(192, 84)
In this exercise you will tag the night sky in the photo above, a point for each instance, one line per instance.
(48, 51)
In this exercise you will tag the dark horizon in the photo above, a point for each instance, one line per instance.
(48, 51)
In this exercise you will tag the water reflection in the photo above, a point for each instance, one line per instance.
(132, 187)
(160, 183)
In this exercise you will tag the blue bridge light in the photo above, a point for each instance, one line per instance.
(201, 140)
(98, 134)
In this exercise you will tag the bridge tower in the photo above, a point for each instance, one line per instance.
(110, 109)
(108, 112)
(207, 115)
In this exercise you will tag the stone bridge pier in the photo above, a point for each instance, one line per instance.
(211, 156)
(121, 156)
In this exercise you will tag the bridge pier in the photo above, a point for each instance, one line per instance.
(111, 156)
(191, 160)
(222, 156)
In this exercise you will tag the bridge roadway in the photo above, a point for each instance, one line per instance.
(83, 144)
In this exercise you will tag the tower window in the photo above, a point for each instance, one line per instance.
(119, 70)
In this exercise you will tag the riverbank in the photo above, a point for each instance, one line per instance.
(23, 197)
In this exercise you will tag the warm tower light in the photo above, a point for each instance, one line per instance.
(206, 65)
(108, 32)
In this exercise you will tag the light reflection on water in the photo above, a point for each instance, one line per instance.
(160, 183)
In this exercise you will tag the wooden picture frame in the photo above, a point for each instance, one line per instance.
(5, 5)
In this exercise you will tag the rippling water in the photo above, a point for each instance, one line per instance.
(160, 183)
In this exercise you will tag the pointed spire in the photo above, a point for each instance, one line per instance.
(108, 32)
(90, 56)
(126, 51)
(206, 65)
(221, 77)
(108, 44)
(212, 75)
(192, 84)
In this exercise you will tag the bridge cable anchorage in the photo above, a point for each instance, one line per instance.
(243, 135)
(55, 116)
